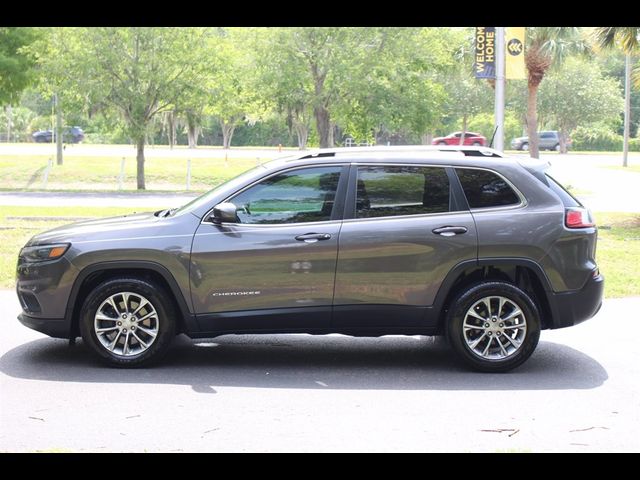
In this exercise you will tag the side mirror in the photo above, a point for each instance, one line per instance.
(225, 212)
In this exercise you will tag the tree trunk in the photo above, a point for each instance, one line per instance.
(427, 138)
(59, 133)
(464, 129)
(627, 110)
(192, 135)
(562, 139)
(171, 119)
(532, 120)
(302, 132)
(227, 133)
(9, 121)
(323, 125)
(332, 129)
(140, 162)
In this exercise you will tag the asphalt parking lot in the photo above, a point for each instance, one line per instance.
(579, 392)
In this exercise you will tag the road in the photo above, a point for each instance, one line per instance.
(579, 392)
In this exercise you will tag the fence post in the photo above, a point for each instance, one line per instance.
(188, 174)
(45, 178)
(121, 177)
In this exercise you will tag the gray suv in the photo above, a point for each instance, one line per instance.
(546, 141)
(366, 242)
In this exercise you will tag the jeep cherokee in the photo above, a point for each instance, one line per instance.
(464, 243)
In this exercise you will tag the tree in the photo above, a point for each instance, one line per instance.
(397, 89)
(230, 92)
(545, 46)
(629, 38)
(578, 94)
(322, 63)
(16, 62)
(467, 97)
(140, 71)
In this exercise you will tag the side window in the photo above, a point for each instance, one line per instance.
(547, 135)
(297, 196)
(388, 191)
(486, 189)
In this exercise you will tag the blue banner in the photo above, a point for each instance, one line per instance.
(484, 65)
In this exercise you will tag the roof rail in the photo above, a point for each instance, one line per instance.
(466, 150)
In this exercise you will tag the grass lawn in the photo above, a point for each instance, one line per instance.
(618, 241)
(618, 253)
(629, 168)
(16, 232)
(26, 172)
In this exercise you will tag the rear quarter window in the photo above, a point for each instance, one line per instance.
(486, 189)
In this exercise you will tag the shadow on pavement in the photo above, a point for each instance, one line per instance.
(308, 362)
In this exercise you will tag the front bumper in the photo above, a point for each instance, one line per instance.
(571, 308)
(54, 327)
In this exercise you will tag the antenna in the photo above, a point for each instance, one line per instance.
(493, 137)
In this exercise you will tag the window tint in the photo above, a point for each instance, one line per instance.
(547, 135)
(391, 191)
(305, 195)
(486, 189)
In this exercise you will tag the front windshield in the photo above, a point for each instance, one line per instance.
(206, 198)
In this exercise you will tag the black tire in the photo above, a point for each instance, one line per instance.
(166, 320)
(466, 299)
(524, 147)
(477, 144)
(442, 143)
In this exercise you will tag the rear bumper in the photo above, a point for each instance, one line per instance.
(54, 327)
(571, 308)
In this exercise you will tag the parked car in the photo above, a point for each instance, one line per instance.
(365, 242)
(72, 135)
(549, 140)
(470, 138)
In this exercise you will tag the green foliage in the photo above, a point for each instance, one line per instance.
(22, 120)
(483, 123)
(578, 94)
(600, 137)
(16, 62)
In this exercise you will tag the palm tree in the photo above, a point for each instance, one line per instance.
(629, 39)
(546, 46)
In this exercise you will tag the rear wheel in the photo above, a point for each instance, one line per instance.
(493, 327)
(128, 322)
(525, 147)
(557, 148)
(442, 143)
(477, 144)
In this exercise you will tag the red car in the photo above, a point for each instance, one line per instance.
(470, 138)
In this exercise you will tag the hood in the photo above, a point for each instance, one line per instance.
(520, 139)
(99, 228)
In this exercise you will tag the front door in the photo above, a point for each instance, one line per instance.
(407, 231)
(274, 268)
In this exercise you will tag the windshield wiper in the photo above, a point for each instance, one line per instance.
(165, 213)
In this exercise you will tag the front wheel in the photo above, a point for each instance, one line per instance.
(128, 322)
(493, 326)
(477, 144)
(525, 147)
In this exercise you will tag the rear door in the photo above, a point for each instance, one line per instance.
(405, 228)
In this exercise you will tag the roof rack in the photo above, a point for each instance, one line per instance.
(466, 150)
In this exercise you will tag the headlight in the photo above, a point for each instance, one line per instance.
(43, 253)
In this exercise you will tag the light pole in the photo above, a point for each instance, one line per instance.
(499, 93)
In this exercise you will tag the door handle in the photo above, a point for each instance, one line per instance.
(449, 231)
(313, 237)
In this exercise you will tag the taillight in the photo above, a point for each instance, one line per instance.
(578, 218)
